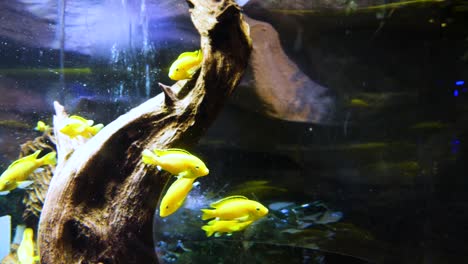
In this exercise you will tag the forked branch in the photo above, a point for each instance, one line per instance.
(100, 204)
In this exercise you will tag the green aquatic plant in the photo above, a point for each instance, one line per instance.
(365, 146)
(13, 124)
(353, 7)
(429, 125)
(358, 103)
(400, 4)
(259, 189)
(45, 71)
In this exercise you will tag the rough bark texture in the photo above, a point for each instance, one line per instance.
(34, 196)
(100, 204)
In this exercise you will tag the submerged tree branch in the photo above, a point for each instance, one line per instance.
(100, 204)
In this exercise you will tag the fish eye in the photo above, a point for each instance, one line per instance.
(196, 167)
(167, 206)
(258, 209)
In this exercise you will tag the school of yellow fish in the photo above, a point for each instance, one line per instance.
(231, 214)
(185, 166)
(17, 174)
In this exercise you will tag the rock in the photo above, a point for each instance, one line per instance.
(276, 86)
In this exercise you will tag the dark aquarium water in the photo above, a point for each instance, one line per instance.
(351, 128)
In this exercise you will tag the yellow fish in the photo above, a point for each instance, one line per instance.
(41, 126)
(79, 126)
(176, 161)
(218, 227)
(175, 196)
(186, 65)
(235, 208)
(16, 174)
(25, 250)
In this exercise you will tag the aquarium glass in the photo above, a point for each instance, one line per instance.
(349, 126)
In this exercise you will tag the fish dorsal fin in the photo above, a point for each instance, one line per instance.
(188, 54)
(29, 157)
(229, 198)
(162, 152)
(78, 118)
(81, 119)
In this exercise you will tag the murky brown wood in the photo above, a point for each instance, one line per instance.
(100, 204)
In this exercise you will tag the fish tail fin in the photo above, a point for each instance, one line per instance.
(197, 66)
(49, 159)
(149, 157)
(96, 128)
(200, 55)
(207, 214)
(208, 230)
(35, 154)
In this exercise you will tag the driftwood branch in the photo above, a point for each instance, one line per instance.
(100, 204)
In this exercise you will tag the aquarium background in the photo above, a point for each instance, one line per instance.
(383, 181)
